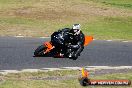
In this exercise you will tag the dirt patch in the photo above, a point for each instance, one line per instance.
(102, 11)
(62, 12)
(45, 14)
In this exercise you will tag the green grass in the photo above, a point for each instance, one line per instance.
(127, 4)
(21, 80)
(42, 74)
(103, 19)
(110, 28)
(104, 28)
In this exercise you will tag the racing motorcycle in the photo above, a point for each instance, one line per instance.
(48, 48)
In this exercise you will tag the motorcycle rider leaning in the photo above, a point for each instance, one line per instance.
(74, 38)
(77, 41)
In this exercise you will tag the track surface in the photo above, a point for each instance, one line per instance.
(17, 54)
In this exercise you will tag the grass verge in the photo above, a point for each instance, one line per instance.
(103, 19)
(56, 79)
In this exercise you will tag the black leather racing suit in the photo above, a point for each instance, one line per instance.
(75, 42)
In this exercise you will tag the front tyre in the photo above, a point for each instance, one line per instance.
(40, 50)
(73, 58)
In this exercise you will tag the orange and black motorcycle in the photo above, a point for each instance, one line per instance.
(48, 48)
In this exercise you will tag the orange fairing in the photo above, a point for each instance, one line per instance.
(88, 39)
(49, 47)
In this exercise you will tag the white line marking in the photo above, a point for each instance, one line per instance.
(65, 68)
(124, 41)
(44, 37)
(109, 40)
(72, 68)
(18, 36)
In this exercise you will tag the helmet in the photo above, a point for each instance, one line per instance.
(76, 29)
(76, 26)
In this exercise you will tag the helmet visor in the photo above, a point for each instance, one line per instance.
(76, 31)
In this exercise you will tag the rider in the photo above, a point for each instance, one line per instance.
(77, 41)
(74, 37)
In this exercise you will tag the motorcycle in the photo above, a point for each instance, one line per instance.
(48, 48)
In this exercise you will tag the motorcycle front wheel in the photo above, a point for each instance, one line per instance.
(40, 50)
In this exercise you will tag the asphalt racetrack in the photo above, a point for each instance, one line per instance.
(17, 54)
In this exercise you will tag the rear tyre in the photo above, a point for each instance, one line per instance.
(40, 50)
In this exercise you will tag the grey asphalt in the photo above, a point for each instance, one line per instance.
(17, 54)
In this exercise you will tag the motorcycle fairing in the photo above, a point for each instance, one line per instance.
(49, 47)
(88, 39)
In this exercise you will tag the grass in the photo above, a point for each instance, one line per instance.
(42, 74)
(103, 19)
(127, 4)
(110, 28)
(22, 80)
